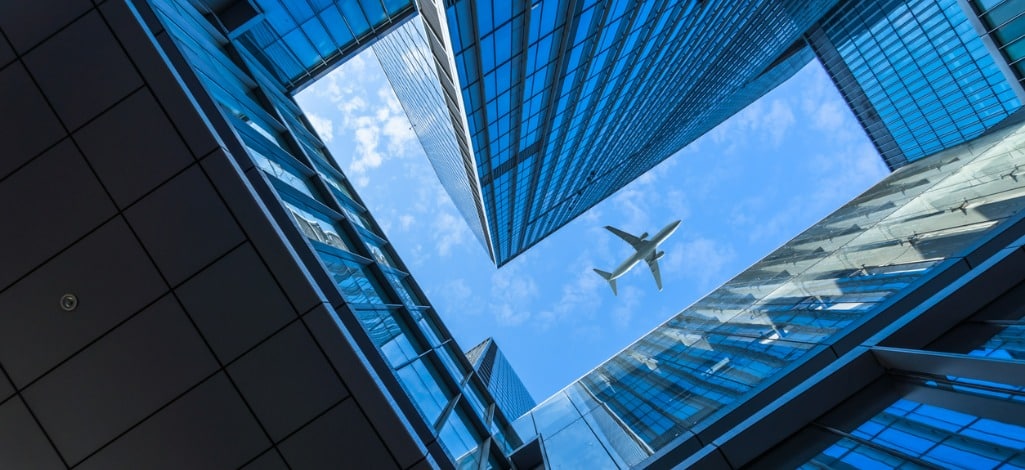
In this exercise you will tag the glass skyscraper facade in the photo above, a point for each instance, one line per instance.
(569, 101)
(809, 300)
(511, 396)
(916, 74)
(343, 236)
(234, 259)
(299, 41)
(417, 61)
(193, 282)
(559, 96)
(1003, 23)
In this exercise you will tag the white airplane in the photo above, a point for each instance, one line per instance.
(646, 250)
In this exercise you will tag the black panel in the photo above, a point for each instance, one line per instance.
(367, 389)
(268, 461)
(22, 443)
(236, 303)
(342, 438)
(184, 225)
(53, 201)
(27, 23)
(6, 53)
(101, 72)
(268, 241)
(29, 126)
(6, 389)
(122, 378)
(133, 147)
(164, 83)
(287, 381)
(108, 273)
(209, 427)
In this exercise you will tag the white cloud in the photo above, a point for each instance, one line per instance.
(366, 155)
(580, 299)
(457, 297)
(399, 133)
(323, 126)
(634, 205)
(701, 259)
(406, 221)
(459, 289)
(370, 121)
(387, 96)
(760, 123)
(415, 256)
(508, 315)
(676, 201)
(512, 293)
(352, 105)
(857, 166)
(449, 231)
(457, 294)
(629, 300)
(829, 116)
(777, 121)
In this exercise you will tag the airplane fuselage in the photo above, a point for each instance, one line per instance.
(645, 249)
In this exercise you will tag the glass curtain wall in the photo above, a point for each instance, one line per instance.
(560, 96)
(729, 346)
(918, 433)
(1004, 21)
(413, 58)
(348, 243)
(299, 40)
(915, 72)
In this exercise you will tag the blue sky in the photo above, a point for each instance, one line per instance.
(742, 190)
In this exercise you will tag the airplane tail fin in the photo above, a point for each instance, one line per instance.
(608, 277)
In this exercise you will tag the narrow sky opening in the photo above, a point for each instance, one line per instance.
(742, 190)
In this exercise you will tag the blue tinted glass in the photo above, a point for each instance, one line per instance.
(915, 431)
(354, 17)
(459, 440)
(336, 26)
(319, 228)
(421, 381)
(374, 12)
(575, 447)
(394, 6)
(352, 280)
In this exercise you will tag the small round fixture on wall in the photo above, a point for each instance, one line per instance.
(69, 302)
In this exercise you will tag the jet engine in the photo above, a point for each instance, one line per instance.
(659, 255)
(644, 236)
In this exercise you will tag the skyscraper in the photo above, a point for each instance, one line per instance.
(916, 74)
(495, 371)
(189, 280)
(902, 308)
(192, 282)
(569, 101)
(999, 25)
(566, 102)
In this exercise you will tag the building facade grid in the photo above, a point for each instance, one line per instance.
(916, 74)
(560, 95)
(347, 243)
(805, 297)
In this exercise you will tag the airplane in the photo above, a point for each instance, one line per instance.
(646, 250)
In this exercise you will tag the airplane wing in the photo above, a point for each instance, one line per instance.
(653, 264)
(632, 240)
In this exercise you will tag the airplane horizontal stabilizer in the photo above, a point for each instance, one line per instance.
(608, 277)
